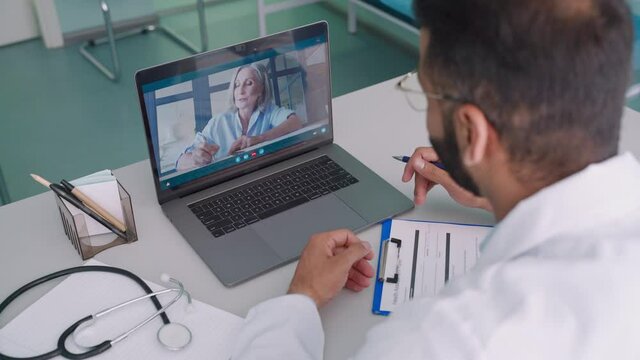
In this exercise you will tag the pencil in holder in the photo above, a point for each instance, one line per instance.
(75, 228)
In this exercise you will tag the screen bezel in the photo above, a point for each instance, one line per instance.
(213, 58)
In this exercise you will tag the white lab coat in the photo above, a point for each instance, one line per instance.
(558, 278)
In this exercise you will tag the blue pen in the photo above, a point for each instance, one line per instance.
(405, 159)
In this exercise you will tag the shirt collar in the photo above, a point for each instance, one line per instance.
(252, 121)
(596, 194)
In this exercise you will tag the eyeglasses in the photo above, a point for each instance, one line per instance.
(416, 97)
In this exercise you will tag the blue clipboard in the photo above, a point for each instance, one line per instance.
(377, 292)
(385, 237)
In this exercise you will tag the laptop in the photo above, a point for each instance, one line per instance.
(241, 148)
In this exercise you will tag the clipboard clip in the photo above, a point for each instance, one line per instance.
(383, 261)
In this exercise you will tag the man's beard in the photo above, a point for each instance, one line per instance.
(447, 150)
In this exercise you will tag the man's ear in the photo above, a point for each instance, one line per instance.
(473, 132)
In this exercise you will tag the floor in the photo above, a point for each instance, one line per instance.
(61, 118)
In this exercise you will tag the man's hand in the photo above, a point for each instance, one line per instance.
(203, 153)
(331, 261)
(243, 142)
(428, 175)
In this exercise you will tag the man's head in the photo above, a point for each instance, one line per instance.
(541, 84)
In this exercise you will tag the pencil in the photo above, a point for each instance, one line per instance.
(62, 192)
(92, 204)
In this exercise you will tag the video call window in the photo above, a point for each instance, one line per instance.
(200, 110)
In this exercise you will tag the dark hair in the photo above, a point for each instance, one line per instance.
(550, 75)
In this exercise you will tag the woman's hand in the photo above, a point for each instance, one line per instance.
(243, 142)
(428, 175)
(203, 153)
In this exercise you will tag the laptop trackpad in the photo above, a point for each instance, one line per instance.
(288, 233)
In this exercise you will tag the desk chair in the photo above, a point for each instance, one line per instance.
(114, 73)
(396, 11)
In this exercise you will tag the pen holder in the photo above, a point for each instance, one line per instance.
(88, 246)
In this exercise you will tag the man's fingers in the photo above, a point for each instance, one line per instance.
(408, 172)
(420, 189)
(409, 167)
(363, 265)
(365, 268)
(351, 285)
(437, 175)
(353, 253)
(358, 278)
(342, 238)
(416, 166)
(431, 172)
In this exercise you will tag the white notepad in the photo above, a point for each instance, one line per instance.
(36, 330)
(102, 188)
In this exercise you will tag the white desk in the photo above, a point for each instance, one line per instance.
(372, 123)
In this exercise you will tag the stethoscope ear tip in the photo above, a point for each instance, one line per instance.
(165, 278)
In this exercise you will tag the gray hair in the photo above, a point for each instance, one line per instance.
(267, 94)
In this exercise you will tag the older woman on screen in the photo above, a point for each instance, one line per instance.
(251, 119)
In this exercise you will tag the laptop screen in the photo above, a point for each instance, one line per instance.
(236, 107)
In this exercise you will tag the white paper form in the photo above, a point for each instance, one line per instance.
(430, 254)
(36, 330)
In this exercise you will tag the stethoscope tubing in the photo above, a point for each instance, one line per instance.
(61, 350)
(105, 345)
(180, 291)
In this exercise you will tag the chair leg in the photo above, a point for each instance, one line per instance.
(114, 74)
(180, 40)
(262, 18)
(352, 21)
(4, 193)
(633, 91)
(202, 23)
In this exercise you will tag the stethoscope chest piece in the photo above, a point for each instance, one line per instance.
(174, 336)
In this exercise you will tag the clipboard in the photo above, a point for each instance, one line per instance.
(377, 291)
(414, 236)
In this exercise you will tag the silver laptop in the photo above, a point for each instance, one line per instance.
(241, 148)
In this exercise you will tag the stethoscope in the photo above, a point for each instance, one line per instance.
(172, 335)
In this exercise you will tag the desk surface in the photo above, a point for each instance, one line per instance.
(372, 124)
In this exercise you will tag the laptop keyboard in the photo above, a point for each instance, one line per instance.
(236, 208)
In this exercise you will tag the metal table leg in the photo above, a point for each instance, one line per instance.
(114, 74)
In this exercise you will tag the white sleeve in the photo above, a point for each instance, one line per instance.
(287, 327)
(424, 329)
(279, 115)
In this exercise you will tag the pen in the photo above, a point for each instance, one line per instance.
(92, 204)
(405, 159)
(63, 193)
